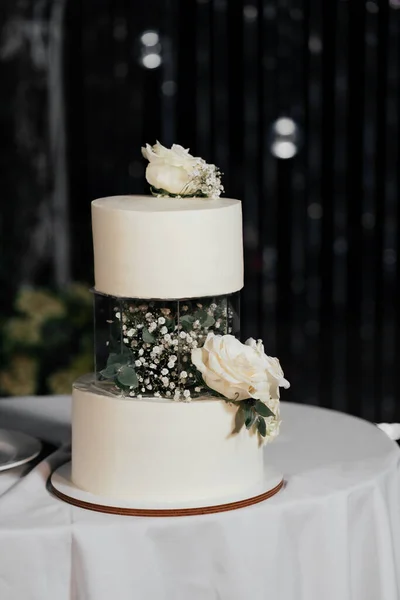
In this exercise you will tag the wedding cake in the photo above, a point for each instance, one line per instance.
(178, 409)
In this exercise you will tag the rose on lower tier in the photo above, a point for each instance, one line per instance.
(239, 371)
(272, 367)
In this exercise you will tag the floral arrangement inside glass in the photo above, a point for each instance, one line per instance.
(187, 348)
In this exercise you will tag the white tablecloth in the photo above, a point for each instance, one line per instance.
(333, 533)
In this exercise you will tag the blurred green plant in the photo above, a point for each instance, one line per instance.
(48, 342)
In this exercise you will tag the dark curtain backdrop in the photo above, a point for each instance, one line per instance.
(297, 101)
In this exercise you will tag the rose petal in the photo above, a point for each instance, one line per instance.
(166, 177)
(198, 359)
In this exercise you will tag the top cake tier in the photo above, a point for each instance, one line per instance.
(148, 247)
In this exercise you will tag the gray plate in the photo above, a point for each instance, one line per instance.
(17, 448)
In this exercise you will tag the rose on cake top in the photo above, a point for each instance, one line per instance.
(176, 173)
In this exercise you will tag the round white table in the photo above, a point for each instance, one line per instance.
(333, 532)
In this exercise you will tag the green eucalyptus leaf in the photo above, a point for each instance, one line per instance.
(160, 192)
(187, 322)
(112, 358)
(165, 193)
(200, 315)
(208, 322)
(119, 359)
(250, 417)
(110, 371)
(261, 426)
(239, 420)
(170, 324)
(263, 409)
(205, 319)
(127, 376)
(147, 337)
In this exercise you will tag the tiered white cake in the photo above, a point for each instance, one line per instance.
(177, 407)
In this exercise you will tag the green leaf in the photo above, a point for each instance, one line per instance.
(208, 322)
(170, 324)
(164, 193)
(147, 337)
(205, 319)
(263, 409)
(200, 315)
(187, 322)
(110, 371)
(127, 376)
(239, 420)
(261, 426)
(115, 358)
(160, 192)
(250, 417)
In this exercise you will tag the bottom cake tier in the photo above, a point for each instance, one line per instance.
(156, 450)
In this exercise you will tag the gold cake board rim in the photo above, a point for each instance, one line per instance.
(161, 512)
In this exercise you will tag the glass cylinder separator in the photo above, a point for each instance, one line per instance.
(143, 346)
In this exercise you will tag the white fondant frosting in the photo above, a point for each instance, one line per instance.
(160, 451)
(147, 247)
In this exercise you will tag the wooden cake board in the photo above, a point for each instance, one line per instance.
(61, 486)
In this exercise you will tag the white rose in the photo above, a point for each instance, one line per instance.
(272, 367)
(235, 370)
(169, 169)
(273, 425)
